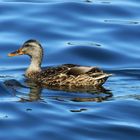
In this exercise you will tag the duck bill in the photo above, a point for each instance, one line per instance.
(15, 53)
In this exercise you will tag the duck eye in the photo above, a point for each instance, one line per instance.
(27, 45)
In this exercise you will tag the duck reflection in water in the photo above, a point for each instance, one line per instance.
(34, 90)
(89, 94)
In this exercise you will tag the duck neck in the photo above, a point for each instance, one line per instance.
(35, 66)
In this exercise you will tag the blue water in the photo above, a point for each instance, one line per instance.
(101, 33)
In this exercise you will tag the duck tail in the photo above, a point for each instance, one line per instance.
(103, 76)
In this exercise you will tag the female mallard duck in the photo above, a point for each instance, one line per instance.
(67, 75)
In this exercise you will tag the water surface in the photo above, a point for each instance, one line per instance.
(104, 33)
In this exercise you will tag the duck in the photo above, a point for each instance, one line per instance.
(65, 75)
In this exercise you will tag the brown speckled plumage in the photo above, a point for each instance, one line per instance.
(67, 75)
(63, 76)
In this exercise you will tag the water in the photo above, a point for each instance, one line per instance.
(104, 33)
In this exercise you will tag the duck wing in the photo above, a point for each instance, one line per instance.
(68, 74)
(71, 69)
(93, 72)
(77, 70)
(52, 71)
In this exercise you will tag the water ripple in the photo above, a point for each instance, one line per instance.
(104, 33)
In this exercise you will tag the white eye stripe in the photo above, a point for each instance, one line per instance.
(32, 44)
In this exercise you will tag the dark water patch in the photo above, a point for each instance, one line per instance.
(92, 55)
(132, 73)
(80, 110)
(84, 44)
(122, 22)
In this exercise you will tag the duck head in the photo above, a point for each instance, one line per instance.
(33, 49)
